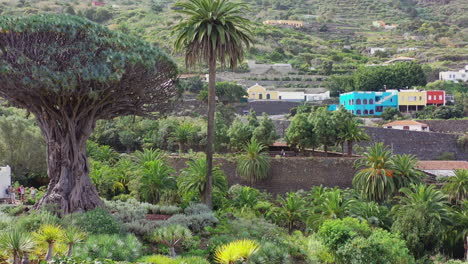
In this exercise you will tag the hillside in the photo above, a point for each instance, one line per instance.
(341, 31)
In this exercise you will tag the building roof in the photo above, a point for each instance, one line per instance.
(279, 144)
(442, 165)
(405, 123)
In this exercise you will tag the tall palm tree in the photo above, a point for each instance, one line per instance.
(457, 186)
(212, 31)
(405, 172)
(353, 133)
(254, 164)
(375, 178)
(17, 242)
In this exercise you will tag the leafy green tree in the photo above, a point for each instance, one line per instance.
(374, 181)
(76, 73)
(324, 127)
(300, 133)
(227, 92)
(171, 236)
(254, 164)
(221, 132)
(374, 214)
(192, 179)
(447, 112)
(252, 119)
(390, 113)
(155, 179)
(212, 31)
(457, 186)
(265, 133)
(420, 217)
(395, 76)
(338, 84)
(22, 148)
(239, 134)
(183, 134)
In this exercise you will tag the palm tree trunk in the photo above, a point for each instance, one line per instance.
(26, 258)
(16, 258)
(49, 252)
(325, 147)
(207, 196)
(350, 148)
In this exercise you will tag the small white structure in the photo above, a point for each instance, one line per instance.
(407, 125)
(461, 75)
(317, 96)
(291, 96)
(372, 51)
(5, 180)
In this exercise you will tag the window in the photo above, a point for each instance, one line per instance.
(379, 109)
(365, 101)
(366, 112)
(358, 101)
(371, 101)
(371, 112)
(349, 102)
(402, 98)
(268, 96)
(389, 126)
(430, 97)
(260, 96)
(405, 127)
(440, 97)
(279, 97)
(358, 111)
(412, 98)
(420, 98)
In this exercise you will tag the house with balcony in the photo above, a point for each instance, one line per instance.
(411, 100)
(369, 103)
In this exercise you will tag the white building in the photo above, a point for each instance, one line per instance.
(372, 51)
(317, 96)
(407, 125)
(461, 75)
(291, 96)
(5, 180)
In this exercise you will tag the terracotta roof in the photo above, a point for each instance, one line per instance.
(442, 165)
(405, 123)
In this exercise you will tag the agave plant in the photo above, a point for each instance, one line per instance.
(171, 236)
(236, 251)
(375, 179)
(49, 234)
(17, 243)
(254, 164)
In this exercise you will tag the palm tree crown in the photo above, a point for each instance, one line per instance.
(213, 30)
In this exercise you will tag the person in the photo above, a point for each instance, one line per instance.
(22, 191)
(283, 153)
(7, 192)
(12, 195)
(33, 193)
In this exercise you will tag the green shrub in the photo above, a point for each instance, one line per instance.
(195, 209)
(33, 221)
(80, 260)
(97, 221)
(142, 227)
(336, 233)
(114, 247)
(271, 254)
(195, 222)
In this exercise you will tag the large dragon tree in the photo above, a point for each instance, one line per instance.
(70, 72)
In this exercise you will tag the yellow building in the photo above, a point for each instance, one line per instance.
(258, 92)
(410, 100)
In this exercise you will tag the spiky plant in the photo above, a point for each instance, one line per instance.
(212, 31)
(16, 242)
(405, 172)
(239, 250)
(171, 236)
(375, 179)
(254, 164)
(72, 236)
(49, 234)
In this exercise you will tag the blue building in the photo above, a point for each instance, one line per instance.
(369, 103)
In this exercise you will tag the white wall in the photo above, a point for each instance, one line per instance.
(318, 97)
(291, 95)
(412, 128)
(5, 180)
